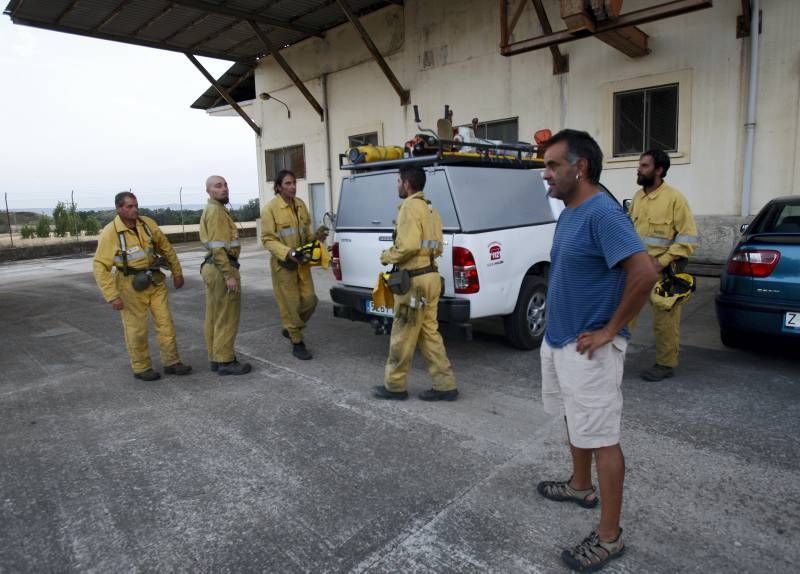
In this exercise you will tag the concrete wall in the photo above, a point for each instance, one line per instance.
(447, 53)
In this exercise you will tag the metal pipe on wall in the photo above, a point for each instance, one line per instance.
(750, 124)
(328, 178)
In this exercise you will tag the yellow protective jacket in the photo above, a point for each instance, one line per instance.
(142, 245)
(418, 236)
(284, 227)
(219, 235)
(665, 223)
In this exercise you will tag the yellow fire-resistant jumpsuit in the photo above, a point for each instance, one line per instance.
(418, 241)
(141, 246)
(284, 228)
(666, 225)
(219, 235)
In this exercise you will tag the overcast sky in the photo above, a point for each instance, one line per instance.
(99, 117)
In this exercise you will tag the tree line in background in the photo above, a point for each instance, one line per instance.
(67, 219)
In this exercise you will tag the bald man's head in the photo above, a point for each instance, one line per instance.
(217, 188)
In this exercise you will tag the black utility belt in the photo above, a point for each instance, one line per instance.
(423, 271)
(231, 259)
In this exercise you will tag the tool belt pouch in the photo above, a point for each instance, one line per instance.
(142, 280)
(399, 281)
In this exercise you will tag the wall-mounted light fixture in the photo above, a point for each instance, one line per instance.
(265, 96)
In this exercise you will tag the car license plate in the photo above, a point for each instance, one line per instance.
(792, 320)
(382, 311)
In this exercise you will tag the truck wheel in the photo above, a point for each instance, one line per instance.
(525, 325)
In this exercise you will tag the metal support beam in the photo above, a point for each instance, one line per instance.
(233, 87)
(113, 14)
(244, 15)
(560, 62)
(66, 11)
(651, 14)
(387, 71)
(287, 68)
(169, 8)
(224, 94)
(122, 38)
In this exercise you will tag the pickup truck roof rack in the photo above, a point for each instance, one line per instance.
(450, 152)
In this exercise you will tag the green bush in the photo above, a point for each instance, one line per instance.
(27, 231)
(43, 227)
(91, 225)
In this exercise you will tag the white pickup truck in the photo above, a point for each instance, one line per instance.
(498, 229)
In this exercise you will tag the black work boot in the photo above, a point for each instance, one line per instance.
(177, 369)
(434, 395)
(233, 368)
(285, 333)
(299, 350)
(381, 392)
(148, 375)
(213, 365)
(657, 373)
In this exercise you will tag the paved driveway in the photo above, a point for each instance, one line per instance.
(296, 469)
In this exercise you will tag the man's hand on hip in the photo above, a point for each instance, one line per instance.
(593, 340)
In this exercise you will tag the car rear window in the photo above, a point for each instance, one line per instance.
(370, 201)
(777, 218)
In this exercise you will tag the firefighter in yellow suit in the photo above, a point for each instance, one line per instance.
(285, 227)
(663, 220)
(220, 271)
(417, 243)
(125, 270)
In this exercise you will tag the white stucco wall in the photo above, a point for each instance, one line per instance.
(448, 53)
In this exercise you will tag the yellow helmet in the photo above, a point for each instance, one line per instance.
(311, 252)
(673, 289)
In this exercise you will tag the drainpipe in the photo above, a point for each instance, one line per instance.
(328, 180)
(750, 125)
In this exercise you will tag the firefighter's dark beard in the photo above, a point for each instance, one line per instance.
(645, 181)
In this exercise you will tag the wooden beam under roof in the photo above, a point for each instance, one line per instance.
(125, 39)
(67, 9)
(287, 68)
(149, 22)
(224, 93)
(244, 15)
(560, 62)
(387, 71)
(643, 16)
(233, 86)
(113, 14)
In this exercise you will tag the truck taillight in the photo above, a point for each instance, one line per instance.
(465, 272)
(753, 262)
(336, 263)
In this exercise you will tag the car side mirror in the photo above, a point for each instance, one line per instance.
(743, 227)
(626, 205)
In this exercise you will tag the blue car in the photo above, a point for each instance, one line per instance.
(759, 292)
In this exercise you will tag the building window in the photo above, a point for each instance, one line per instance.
(292, 158)
(370, 138)
(646, 118)
(502, 130)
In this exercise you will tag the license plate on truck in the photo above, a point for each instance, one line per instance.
(382, 311)
(792, 320)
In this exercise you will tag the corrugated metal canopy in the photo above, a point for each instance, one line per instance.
(212, 28)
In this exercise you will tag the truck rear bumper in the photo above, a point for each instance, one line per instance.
(351, 303)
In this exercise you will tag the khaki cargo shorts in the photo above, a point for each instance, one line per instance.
(587, 391)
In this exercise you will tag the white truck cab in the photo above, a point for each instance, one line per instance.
(498, 226)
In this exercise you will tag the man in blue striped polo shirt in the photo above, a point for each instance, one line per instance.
(600, 277)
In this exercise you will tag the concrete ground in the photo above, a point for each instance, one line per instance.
(295, 468)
